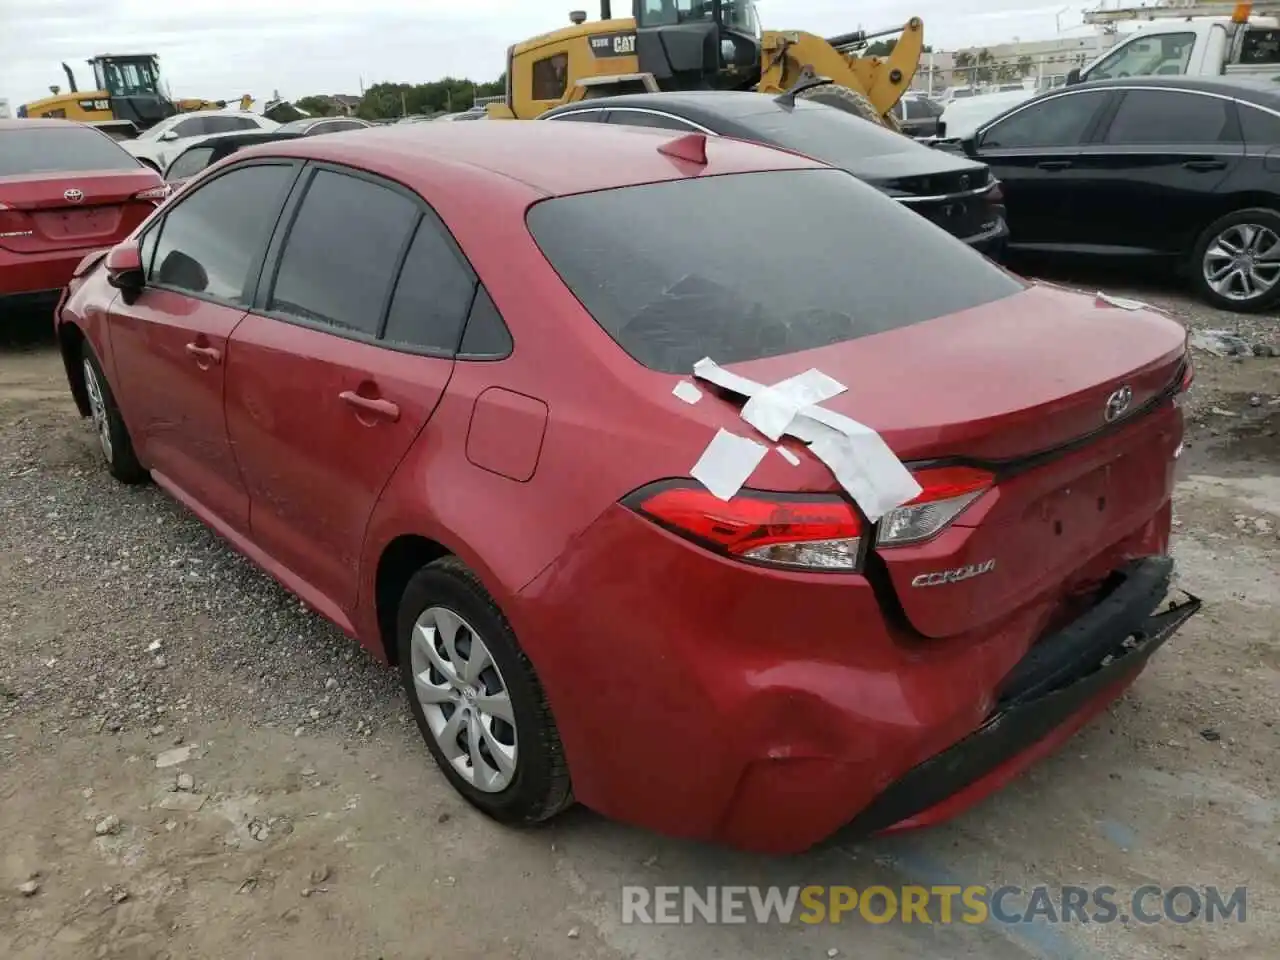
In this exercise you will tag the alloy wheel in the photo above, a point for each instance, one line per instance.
(464, 698)
(1242, 262)
(98, 409)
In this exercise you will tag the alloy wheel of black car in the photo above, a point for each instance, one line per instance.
(1236, 262)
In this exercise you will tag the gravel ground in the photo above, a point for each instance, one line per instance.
(193, 764)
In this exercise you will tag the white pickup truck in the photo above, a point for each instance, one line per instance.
(1199, 39)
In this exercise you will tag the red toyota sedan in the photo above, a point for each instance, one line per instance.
(439, 381)
(65, 189)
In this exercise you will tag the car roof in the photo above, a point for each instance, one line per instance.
(555, 159)
(704, 106)
(241, 136)
(25, 123)
(1254, 89)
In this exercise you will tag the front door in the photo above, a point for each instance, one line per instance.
(170, 345)
(1033, 152)
(339, 368)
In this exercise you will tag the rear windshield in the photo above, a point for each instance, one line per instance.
(54, 148)
(755, 265)
(827, 133)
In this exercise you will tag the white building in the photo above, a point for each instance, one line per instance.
(1042, 63)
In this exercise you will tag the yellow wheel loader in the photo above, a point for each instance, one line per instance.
(700, 45)
(129, 97)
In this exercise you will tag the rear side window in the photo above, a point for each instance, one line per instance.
(49, 147)
(189, 163)
(1258, 126)
(1060, 121)
(433, 294)
(827, 133)
(641, 118)
(210, 238)
(341, 255)
(1167, 116)
(674, 271)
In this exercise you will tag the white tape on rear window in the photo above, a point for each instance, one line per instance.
(857, 456)
(687, 392)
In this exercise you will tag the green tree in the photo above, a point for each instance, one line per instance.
(882, 48)
(1026, 66)
(385, 101)
(963, 73)
(986, 70)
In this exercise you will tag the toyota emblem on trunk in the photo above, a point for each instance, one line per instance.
(1118, 403)
(73, 195)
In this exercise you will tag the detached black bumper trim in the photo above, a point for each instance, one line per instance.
(1115, 639)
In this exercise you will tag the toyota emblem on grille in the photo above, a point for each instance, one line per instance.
(1118, 403)
(73, 195)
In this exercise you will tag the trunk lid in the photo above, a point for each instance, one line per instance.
(1020, 385)
(47, 212)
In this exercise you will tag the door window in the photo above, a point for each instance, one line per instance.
(433, 294)
(638, 118)
(228, 124)
(189, 163)
(1060, 121)
(212, 237)
(550, 77)
(1169, 116)
(340, 258)
(192, 127)
(1158, 55)
(580, 116)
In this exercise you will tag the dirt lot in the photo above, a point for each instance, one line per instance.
(310, 822)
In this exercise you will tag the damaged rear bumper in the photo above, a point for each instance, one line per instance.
(1063, 680)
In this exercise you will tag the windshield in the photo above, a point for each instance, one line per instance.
(58, 149)
(738, 15)
(1164, 54)
(673, 271)
(130, 78)
(826, 133)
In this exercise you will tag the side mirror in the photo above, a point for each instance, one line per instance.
(1073, 75)
(124, 269)
(168, 135)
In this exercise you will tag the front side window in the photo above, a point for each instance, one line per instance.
(703, 290)
(1164, 54)
(209, 240)
(1059, 121)
(1167, 116)
(189, 163)
(340, 258)
(191, 127)
(551, 77)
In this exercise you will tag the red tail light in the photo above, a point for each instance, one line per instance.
(796, 531)
(947, 492)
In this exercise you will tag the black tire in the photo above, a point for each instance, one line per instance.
(850, 101)
(1196, 265)
(114, 442)
(540, 786)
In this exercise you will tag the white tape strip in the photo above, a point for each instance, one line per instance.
(859, 458)
(1124, 303)
(687, 392)
(788, 456)
(727, 463)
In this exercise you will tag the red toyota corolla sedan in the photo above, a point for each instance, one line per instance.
(438, 380)
(65, 189)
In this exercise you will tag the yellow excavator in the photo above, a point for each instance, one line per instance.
(705, 44)
(129, 96)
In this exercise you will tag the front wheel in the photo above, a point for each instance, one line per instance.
(476, 699)
(113, 435)
(1235, 264)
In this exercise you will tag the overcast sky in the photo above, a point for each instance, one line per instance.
(220, 49)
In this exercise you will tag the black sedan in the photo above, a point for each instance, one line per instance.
(957, 194)
(1174, 169)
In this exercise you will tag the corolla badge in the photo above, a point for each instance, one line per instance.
(1118, 403)
(958, 575)
(73, 195)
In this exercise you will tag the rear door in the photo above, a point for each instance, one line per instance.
(341, 364)
(1033, 151)
(1149, 182)
(68, 187)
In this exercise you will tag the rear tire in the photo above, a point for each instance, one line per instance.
(465, 676)
(850, 101)
(1227, 264)
(114, 441)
